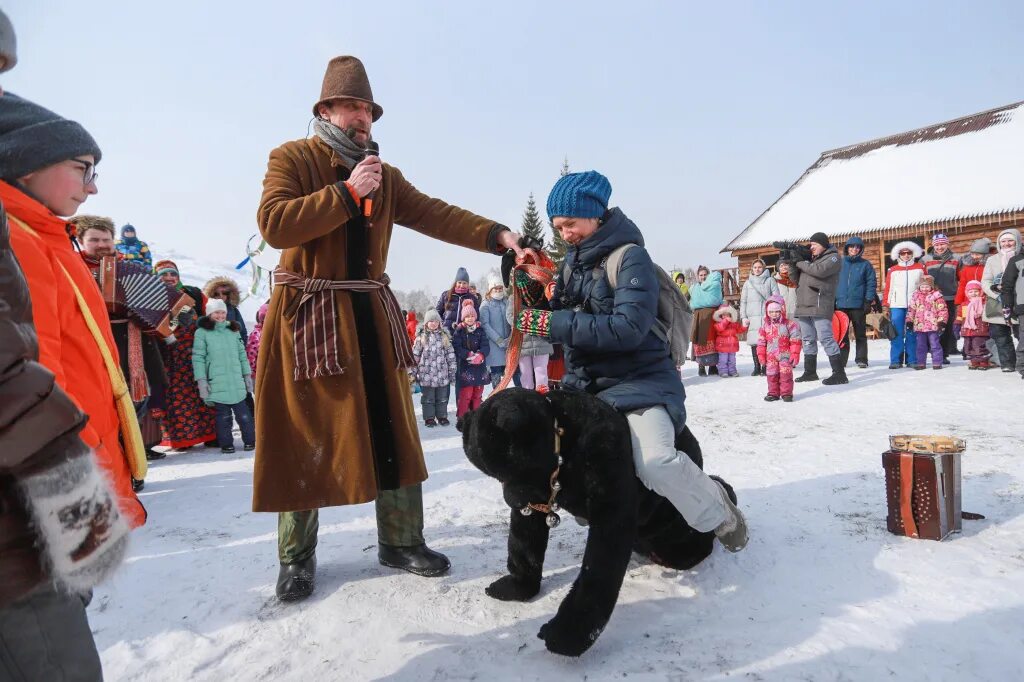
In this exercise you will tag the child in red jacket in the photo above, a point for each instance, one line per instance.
(727, 343)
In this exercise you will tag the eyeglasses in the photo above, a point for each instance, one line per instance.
(89, 174)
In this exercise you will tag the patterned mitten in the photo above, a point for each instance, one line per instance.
(531, 291)
(82, 533)
(535, 322)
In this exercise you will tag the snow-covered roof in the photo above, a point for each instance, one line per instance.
(966, 168)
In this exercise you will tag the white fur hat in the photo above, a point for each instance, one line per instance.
(215, 304)
(895, 253)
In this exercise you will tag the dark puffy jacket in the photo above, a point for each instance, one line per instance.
(946, 271)
(857, 279)
(816, 286)
(449, 307)
(38, 425)
(611, 349)
(1012, 285)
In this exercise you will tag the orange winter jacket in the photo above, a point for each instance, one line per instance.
(42, 243)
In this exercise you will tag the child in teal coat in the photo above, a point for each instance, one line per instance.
(222, 372)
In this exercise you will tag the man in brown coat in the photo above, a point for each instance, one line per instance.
(334, 417)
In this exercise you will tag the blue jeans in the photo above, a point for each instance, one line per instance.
(245, 424)
(904, 341)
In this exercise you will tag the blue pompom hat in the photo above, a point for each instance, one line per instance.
(579, 195)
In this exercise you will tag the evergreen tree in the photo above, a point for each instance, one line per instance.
(558, 245)
(532, 224)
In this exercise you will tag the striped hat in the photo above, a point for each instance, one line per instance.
(939, 239)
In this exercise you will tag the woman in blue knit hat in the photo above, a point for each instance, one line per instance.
(613, 352)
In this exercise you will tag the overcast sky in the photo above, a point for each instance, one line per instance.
(700, 116)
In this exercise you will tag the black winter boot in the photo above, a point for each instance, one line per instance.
(296, 581)
(838, 372)
(701, 372)
(810, 369)
(713, 371)
(420, 559)
(757, 363)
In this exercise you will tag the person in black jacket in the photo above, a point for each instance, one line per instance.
(1012, 295)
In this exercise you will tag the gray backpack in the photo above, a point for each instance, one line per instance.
(675, 317)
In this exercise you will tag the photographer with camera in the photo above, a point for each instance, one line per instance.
(816, 267)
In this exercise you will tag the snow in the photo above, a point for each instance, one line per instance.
(822, 592)
(963, 176)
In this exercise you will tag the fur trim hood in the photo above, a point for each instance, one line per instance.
(894, 254)
(212, 285)
(723, 310)
(1011, 232)
(208, 324)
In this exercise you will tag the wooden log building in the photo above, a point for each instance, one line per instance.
(963, 178)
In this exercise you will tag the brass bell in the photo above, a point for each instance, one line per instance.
(526, 511)
(553, 520)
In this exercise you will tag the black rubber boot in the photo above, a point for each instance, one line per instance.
(838, 372)
(713, 371)
(296, 581)
(810, 369)
(757, 363)
(420, 559)
(701, 372)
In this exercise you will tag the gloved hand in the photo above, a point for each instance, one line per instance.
(248, 383)
(867, 306)
(794, 361)
(533, 321)
(502, 343)
(475, 358)
(910, 326)
(941, 327)
(1007, 314)
(204, 389)
(531, 290)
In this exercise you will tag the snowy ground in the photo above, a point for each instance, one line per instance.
(822, 592)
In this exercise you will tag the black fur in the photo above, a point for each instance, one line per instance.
(511, 438)
(206, 323)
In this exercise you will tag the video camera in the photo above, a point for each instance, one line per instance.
(791, 252)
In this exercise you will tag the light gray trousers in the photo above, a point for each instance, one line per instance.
(672, 474)
(814, 330)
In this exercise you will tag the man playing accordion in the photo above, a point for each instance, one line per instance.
(142, 309)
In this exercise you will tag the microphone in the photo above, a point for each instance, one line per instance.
(372, 149)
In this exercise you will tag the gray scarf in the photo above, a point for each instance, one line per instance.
(336, 139)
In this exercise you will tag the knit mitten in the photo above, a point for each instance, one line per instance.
(535, 322)
(81, 532)
(530, 290)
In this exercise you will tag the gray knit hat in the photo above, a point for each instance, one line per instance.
(981, 246)
(8, 44)
(32, 137)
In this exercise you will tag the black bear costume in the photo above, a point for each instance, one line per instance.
(512, 437)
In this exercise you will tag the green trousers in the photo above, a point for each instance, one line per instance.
(399, 523)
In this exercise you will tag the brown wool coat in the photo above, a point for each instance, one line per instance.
(313, 437)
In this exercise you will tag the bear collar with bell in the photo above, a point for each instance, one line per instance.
(551, 508)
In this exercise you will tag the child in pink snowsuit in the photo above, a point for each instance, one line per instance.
(927, 317)
(778, 349)
(727, 343)
(252, 346)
